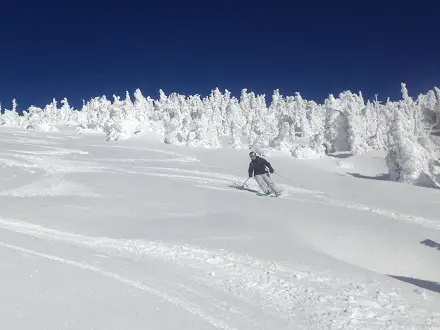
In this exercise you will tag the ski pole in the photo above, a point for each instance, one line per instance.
(245, 182)
(288, 179)
(283, 177)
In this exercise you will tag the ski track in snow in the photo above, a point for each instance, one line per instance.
(425, 222)
(54, 182)
(312, 299)
(222, 180)
(188, 306)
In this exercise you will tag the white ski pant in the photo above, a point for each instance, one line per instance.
(266, 184)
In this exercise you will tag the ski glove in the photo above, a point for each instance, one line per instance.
(271, 170)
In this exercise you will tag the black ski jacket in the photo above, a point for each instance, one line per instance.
(258, 166)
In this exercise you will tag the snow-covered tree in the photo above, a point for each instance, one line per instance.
(258, 132)
(66, 113)
(410, 158)
(286, 137)
(174, 120)
(96, 114)
(10, 118)
(36, 119)
(376, 119)
(143, 108)
(233, 117)
(335, 127)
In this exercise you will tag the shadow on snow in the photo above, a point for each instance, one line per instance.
(428, 285)
(381, 177)
(431, 243)
(243, 188)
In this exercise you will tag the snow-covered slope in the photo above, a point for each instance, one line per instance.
(139, 234)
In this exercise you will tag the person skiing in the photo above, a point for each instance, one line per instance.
(258, 168)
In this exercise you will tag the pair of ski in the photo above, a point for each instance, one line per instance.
(244, 186)
(267, 195)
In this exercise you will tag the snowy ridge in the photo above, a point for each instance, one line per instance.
(301, 128)
(289, 291)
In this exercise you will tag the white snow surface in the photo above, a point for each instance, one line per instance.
(138, 234)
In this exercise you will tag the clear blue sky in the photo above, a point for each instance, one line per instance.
(79, 49)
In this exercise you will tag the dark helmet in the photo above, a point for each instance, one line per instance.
(252, 154)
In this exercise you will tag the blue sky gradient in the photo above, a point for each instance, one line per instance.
(83, 49)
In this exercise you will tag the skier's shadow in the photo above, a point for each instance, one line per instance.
(244, 188)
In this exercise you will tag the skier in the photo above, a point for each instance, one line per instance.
(257, 168)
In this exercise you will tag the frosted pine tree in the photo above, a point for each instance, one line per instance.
(127, 107)
(343, 128)
(410, 159)
(186, 119)
(353, 107)
(247, 111)
(203, 130)
(278, 115)
(96, 114)
(11, 118)
(297, 112)
(35, 119)
(316, 117)
(66, 113)
(113, 125)
(308, 120)
(195, 105)
(130, 122)
(173, 120)
(121, 123)
(38, 119)
(214, 102)
(233, 115)
(226, 118)
(436, 109)
(144, 113)
(430, 104)
(160, 115)
(260, 137)
(52, 115)
(50, 118)
(253, 118)
(377, 118)
(82, 118)
(224, 103)
(332, 124)
(285, 140)
(143, 107)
